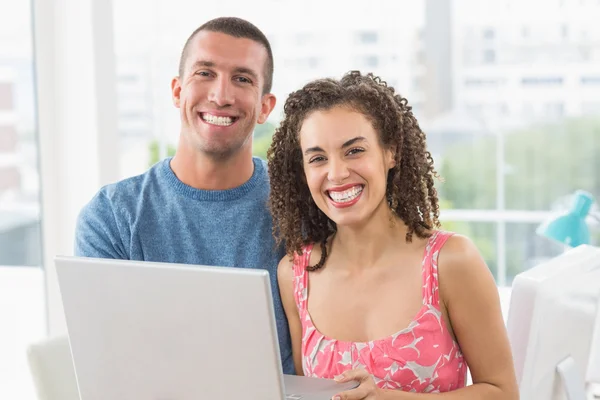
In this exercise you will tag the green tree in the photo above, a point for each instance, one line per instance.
(542, 164)
(155, 153)
(262, 140)
(263, 135)
(482, 234)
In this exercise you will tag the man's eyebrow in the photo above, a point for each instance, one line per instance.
(203, 63)
(238, 70)
(247, 71)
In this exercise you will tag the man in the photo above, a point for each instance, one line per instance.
(206, 205)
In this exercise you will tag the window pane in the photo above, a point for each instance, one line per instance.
(148, 56)
(21, 289)
(466, 160)
(552, 159)
(525, 249)
(19, 179)
(511, 112)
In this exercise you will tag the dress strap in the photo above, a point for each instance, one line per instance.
(301, 277)
(430, 267)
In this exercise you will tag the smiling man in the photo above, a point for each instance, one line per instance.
(208, 204)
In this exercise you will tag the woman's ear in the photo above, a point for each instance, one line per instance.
(390, 157)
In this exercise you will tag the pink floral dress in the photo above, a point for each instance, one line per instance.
(422, 357)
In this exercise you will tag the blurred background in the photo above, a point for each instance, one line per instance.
(507, 91)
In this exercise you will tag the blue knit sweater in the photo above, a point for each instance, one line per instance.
(156, 217)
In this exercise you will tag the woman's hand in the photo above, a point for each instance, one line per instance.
(366, 390)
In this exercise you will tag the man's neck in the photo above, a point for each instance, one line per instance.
(207, 173)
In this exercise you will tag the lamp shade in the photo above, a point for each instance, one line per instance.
(570, 228)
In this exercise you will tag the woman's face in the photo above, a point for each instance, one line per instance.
(345, 166)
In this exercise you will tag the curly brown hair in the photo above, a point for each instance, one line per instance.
(410, 188)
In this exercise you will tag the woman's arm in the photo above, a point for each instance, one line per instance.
(285, 279)
(470, 296)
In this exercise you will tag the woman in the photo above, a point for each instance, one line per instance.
(372, 290)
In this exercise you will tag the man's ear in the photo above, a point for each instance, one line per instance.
(268, 102)
(176, 91)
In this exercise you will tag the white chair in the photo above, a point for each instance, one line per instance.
(52, 369)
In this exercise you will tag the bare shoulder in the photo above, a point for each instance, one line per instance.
(285, 269)
(461, 267)
(460, 255)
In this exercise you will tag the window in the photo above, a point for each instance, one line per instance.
(21, 275)
(554, 109)
(590, 80)
(368, 37)
(483, 82)
(6, 96)
(489, 56)
(19, 185)
(418, 83)
(590, 108)
(537, 81)
(371, 61)
(499, 181)
(489, 33)
(303, 38)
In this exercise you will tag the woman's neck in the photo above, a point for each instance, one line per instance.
(362, 246)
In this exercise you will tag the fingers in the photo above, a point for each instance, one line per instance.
(353, 375)
(355, 394)
(361, 392)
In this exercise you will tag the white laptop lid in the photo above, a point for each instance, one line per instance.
(153, 331)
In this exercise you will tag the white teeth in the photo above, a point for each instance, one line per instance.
(214, 120)
(346, 195)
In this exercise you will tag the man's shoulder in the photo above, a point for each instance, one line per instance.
(262, 165)
(126, 192)
(262, 173)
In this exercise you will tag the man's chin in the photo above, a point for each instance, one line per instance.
(220, 153)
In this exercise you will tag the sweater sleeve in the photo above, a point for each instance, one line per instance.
(97, 232)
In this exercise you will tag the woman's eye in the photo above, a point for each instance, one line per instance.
(355, 151)
(316, 159)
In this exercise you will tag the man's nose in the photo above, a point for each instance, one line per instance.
(221, 92)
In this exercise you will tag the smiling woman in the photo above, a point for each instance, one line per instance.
(388, 298)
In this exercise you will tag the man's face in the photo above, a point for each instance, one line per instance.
(220, 93)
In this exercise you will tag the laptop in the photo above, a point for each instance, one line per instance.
(158, 331)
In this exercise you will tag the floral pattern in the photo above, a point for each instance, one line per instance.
(422, 357)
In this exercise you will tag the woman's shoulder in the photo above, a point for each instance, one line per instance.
(457, 248)
(288, 262)
(460, 262)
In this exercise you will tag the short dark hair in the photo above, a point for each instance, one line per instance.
(238, 28)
